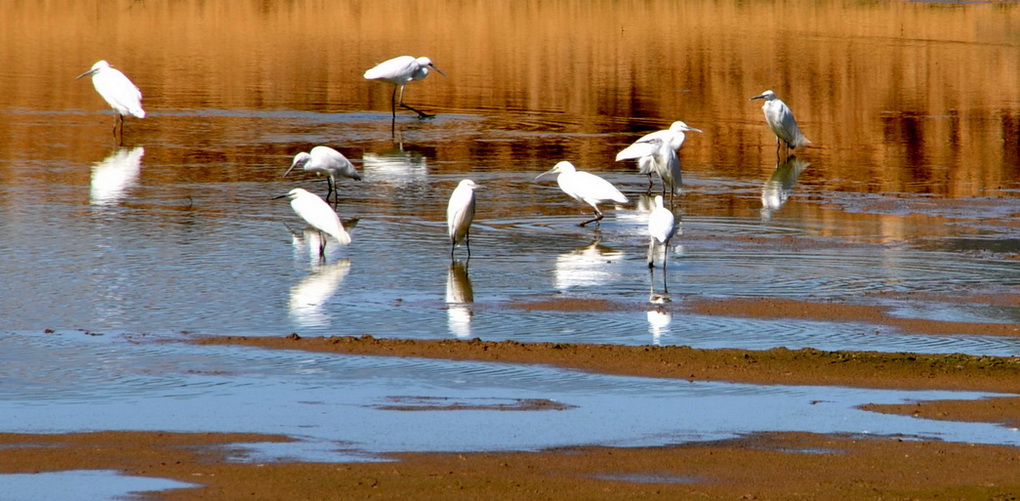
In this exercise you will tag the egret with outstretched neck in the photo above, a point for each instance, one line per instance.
(119, 92)
(585, 187)
(401, 71)
(329, 162)
(781, 121)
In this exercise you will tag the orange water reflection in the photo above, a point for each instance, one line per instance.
(900, 97)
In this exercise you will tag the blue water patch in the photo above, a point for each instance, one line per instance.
(82, 485)
(340, 407)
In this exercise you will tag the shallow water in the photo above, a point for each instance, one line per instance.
(84, 485)
(912, 185)
(352, 408)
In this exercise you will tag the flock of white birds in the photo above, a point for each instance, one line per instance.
(657, 152)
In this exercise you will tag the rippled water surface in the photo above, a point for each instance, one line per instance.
(907, 198)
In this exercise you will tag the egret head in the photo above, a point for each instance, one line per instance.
(425, 62)
(563, 166)
(679, 126)
(658, 202)
(469, 184)
(292, 194)
(100, 65)
(767, 95)
(299, 161)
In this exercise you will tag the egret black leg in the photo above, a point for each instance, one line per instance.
(332, 191)
(393, 102)
(421, 114)
(651, 253)
(598, 217)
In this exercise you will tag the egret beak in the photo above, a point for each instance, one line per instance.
(295, 164)
(281, 196)
(550, 171)
(438, 70)
(761, 96)
(87, 73)
(692, 129)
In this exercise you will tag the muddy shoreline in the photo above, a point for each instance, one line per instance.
(758, 466)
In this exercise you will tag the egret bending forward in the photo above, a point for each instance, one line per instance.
(316, 212)
(122, 95)
(329, 162)
(661, 226)
(401, 71)
(460, 213)
(781, 121)
(585, 187)
(643, 151)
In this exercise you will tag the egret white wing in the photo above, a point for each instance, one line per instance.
(398, 70)
(119, 92)
(321, 216)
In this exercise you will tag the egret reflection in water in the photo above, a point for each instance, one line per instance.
(658, 323)
(308, 241)
(308, 297)
(593, 265)
(115, 175)
(778, 186)
(459, 294)
(396, 166)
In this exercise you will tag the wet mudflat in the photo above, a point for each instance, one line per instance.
(896, 231)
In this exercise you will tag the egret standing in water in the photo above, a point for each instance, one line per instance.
(400, 71)
(460, 213)
(328, 162)
(122, 95)
(659, 156)
(781, 121)
(674, 136)
(661, 226)
(316, 212)
(585, 187)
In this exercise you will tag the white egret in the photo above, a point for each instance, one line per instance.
(400, 71)
(663, 160)
(316, 212)
(585, 187)
(460, 212)
(642, 152)
(661, 226)
(781, 121)
(328, 162)
(122, 95)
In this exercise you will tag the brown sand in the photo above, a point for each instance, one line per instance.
(761, 466)
(767, 466)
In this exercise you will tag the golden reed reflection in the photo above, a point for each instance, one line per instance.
(911, 93)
